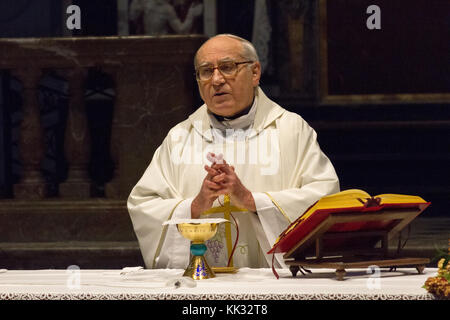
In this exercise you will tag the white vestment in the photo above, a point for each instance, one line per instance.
(276, 157)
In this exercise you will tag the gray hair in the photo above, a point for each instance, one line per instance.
(248, 50)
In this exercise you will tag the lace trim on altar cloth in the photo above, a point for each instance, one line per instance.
(170, 296)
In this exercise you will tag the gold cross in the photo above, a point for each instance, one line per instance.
(226, 209)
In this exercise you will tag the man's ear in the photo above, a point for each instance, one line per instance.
(256, 73)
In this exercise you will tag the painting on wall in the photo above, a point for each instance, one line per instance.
(163, 17)
(391, 52)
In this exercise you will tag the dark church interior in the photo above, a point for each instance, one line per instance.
(82, 112)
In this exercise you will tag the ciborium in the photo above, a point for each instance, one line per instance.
(198, 233)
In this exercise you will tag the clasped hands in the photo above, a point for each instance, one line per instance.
(221, 179)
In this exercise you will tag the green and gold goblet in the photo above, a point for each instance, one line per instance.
(198, 233)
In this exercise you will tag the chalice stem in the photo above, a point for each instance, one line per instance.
(198, 267)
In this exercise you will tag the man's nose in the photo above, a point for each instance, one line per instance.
(217, 77)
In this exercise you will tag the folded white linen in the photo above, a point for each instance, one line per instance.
(195, 221)
(130, 270)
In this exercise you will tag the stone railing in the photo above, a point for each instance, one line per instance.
(154, 89)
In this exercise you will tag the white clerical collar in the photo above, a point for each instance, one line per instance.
(243, 122)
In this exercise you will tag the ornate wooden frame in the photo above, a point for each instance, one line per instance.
(326, 98)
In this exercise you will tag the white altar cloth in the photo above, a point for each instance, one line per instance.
(246, 284)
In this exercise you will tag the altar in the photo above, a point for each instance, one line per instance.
(246, 284)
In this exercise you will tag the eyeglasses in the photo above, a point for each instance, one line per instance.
(228, 69)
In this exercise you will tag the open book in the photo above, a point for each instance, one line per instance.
(345, 202)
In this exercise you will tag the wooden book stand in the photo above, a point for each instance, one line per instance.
(354, 249)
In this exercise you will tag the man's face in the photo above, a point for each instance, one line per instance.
(227, 96)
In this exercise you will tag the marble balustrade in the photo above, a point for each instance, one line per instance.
(154, 89)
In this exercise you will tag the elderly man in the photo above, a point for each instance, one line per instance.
(241, 144)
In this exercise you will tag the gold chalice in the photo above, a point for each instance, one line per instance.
(198, 233)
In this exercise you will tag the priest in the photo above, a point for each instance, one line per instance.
(240, 156)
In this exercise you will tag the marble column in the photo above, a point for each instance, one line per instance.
(113, 187)
(122, 18)
(77, 140)
(32, 184)
(296, 38)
